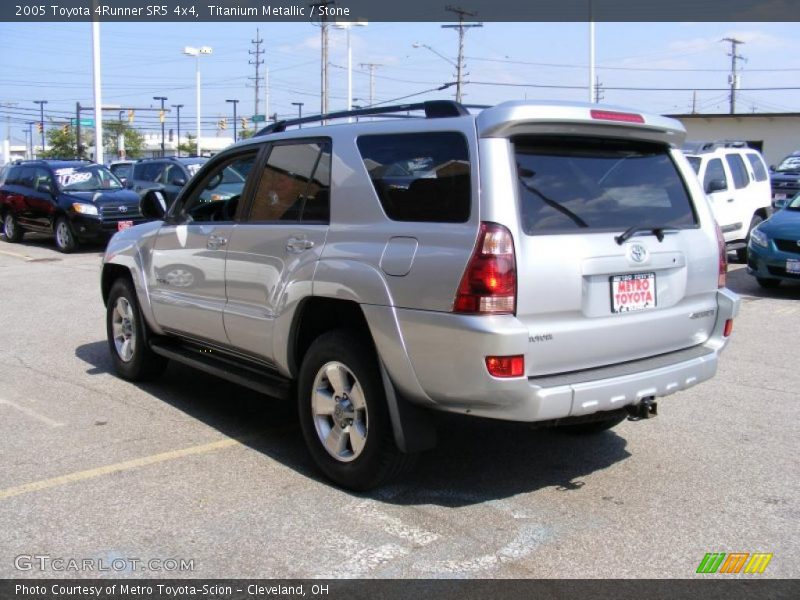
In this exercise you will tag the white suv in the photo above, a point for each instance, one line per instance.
(736, 180)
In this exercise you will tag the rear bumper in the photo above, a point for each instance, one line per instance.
(444, 362)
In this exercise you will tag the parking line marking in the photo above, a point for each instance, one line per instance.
(31, 413)
(116, 468)
(16, 255)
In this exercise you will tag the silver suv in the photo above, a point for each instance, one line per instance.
(543, 263)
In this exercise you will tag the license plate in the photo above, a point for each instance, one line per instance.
(779, 196)
(633, 292)
(793, 266)
(123, 225)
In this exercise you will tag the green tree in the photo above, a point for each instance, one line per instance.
(134, 141)
(243, 134)
(189, 147)
(60, 142)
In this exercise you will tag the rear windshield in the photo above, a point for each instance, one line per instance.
(598, 184)
(419, 176)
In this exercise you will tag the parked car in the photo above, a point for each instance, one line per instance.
(75, 201)
(166, 175)
(122, 169)
(736, 180)
(785, 179)
(774, 254)
(554, 264)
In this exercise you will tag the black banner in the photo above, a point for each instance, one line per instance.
(712, 588)
(267, 11)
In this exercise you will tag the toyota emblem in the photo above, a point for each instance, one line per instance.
(123, 209)
(637, 253)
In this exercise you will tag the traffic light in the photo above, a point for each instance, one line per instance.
(131, 114)
(65, 128)
(161, 116)
(40, 127)
(244, 122)
(223, 124)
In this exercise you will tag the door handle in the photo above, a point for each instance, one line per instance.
(730, 199)
(298, 244)
(215, 242)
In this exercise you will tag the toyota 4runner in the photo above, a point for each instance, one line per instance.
(553, 263)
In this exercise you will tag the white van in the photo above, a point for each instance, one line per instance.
(736, 180)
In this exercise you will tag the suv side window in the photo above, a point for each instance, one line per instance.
(738, 170)
(42, 176)
(148, 171)
(25, 178)
(217, 195)
(295, 184)
(715, 170)
(13, 176)
(420, 177)
(759, 170)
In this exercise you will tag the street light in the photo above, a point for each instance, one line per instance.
(178, 108)
(234, 102)
(347, 25)
(161, 117)
(299, 106)
(41, 104)
(197, 53)
(436, 52)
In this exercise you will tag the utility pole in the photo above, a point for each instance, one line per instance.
(460, 66)
(257, 62)
(694, 102)
(78, 149)
(234, 102)
(323, 24)
(733, 78)
(41, 104)
(371, 67)
(178, 108)
(162, 118)
(30, 133)
(598, 90)
(299, 106)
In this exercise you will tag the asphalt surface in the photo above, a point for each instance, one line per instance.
(193, 468)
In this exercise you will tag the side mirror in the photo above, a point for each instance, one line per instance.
(716, 185)
(772, 168)
(179, 181)
(45, 188)
(123, 181)
(153, 206)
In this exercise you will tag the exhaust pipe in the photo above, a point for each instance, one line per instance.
(646, 409)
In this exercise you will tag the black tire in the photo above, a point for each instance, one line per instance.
(141, 364)
(741, 253)
(768, 284)
(12, 230)
(64, 237)
(592, 427)
(358, 467)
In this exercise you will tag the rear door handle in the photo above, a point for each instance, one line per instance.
(215, 242)
(298, 244)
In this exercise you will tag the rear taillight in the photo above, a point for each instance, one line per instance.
(728, 328)
(722, 278)
(489, 284)
(613, 115)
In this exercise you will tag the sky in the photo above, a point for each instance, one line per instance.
(505, 61)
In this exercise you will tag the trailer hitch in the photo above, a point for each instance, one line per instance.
(646, 409)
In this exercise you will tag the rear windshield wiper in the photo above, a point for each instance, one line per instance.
(555, 205)
(657, 231)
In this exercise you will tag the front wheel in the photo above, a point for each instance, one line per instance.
(65, 239)
(343, 413)
(768, 284)
(126, 330)
(12, 229)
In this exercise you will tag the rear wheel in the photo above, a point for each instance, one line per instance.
(592, 427)
(343, 413)
(126, 330)
(65, 239)
(768, 284)
(12, 229)
(741, 253)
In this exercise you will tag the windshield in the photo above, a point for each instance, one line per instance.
(794, 203)
(695, 162)
(789, 164)
(86, 179)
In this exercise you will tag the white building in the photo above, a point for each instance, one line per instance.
(774, 134)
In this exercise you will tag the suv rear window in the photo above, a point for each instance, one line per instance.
(598, 184)
(420, 177)
(759, 170)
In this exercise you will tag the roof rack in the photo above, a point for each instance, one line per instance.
(700, 146)
(24, 161)
(434, 109)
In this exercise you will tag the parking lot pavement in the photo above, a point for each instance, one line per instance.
(193, 468)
